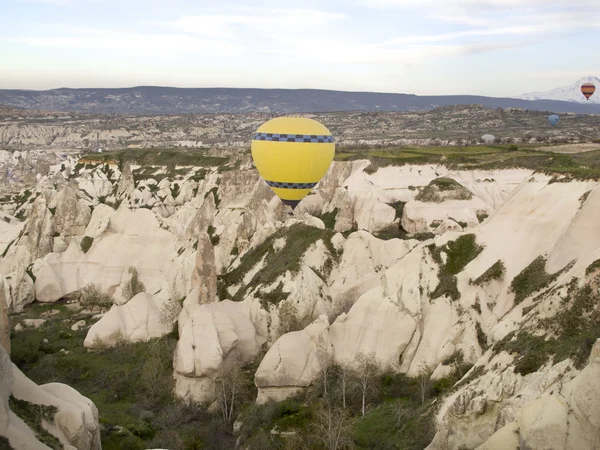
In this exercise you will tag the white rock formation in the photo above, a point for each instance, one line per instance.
(212, 338)
(294, 362)
(137, 320)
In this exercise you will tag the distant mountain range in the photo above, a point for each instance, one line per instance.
(570, 93)
(169, 100)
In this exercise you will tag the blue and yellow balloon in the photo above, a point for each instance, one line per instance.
(292, 154)
(553, 119)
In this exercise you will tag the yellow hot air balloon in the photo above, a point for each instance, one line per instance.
(292, 154)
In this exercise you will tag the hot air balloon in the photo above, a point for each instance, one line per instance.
(292, 154)
(553, 119)
(488, 139)
(588, 89)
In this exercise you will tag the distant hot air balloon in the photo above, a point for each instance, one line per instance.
(488, 138)
(588, 89)
(292, 154)
(553, 119)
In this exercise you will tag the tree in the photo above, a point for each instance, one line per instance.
(424, 381)
(169, 312)
(92, 297)
(332, 427)
(134, 286)
(230, 389)
(365, 373)
(344, 375)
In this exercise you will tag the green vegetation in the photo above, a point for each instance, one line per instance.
(531, 279)
(573, 333)
(582, 166)
(459, 253)
(86, 243)
(215, 192)
(328, 218)
(481, 216)
(134, 286)
(160, 157)
(298, 238)
(593, 267)
(495, 272)
(214, 238)
(130, 384)
(434, 191)
(5, 444)
(33, 415)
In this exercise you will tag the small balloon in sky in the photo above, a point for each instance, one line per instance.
(588, 89)
(553, 119)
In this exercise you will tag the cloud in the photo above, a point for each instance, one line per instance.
(262, 20)
(162, 45)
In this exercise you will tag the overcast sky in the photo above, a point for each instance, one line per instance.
(484, 47)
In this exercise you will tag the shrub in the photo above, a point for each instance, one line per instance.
(531, 279)
(495, 272)
(86, 243)
(328, 218)
(134, 286)
(33, 415)
(92, 297)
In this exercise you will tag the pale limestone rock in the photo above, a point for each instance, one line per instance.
(364, 260)
(4, 323)
(214, 336)
(99, 221)
(70, 216)
(447, 225)
(136, 320)
(295, 361)
(126, 182)
(33, 323)
(78, 325)
(568, 419)
(149, 248)
(40, 228)
(204, 276)
(75, 424)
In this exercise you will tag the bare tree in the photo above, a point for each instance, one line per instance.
(424, 378)
(365, 373)
(344, 375)
(230, 389)
(332, 427)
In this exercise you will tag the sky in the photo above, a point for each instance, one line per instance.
(423, 47)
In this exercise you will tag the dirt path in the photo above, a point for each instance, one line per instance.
(570, 148)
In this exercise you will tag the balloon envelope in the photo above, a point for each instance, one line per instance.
(553, 119)
(292, 154)
(588, 89)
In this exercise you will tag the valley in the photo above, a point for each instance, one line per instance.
(433, 292)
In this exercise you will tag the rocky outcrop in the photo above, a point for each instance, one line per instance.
(75, 422)
(294, 362)
(70, 217)
(213, 337)
(137, 320)
(204, 277)
(567, 418)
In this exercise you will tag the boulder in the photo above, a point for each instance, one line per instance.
(295, 361)
(137, 320)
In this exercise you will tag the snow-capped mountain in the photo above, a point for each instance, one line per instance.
(570, 93)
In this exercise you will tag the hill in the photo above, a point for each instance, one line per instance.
(169, 100)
